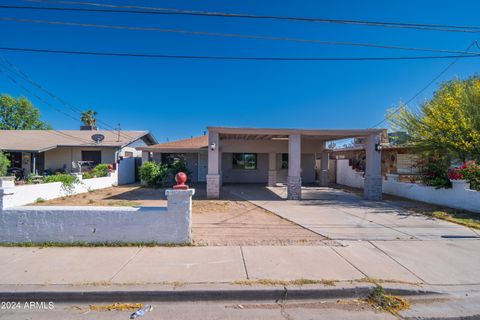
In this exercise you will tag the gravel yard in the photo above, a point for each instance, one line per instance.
(228, 221)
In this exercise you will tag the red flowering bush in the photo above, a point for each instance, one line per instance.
(469, 171)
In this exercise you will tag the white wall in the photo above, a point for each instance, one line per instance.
(101, 224)
(26, 194)
(457, 197)
(347, 176)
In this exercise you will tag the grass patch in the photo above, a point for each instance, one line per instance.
(40, 200)
(91, 244)
(467, 219)
(378, 281)
(91, 201)
(297, 282)
(381, 301)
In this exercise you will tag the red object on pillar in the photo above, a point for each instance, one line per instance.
(181, 178)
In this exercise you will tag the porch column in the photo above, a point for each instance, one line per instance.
(372, 189)
(272, 169)
(324, 175)
(213, 176)
(294, 180)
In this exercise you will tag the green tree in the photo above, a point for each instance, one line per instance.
(89, 117)
(448, 123)
(4, 164)
(19, 114)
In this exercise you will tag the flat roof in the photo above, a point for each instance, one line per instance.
(183, 145)
(268, 133)
(43, 140)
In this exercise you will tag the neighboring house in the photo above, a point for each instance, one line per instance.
(35, 151)
(397, 159)
(267, 156)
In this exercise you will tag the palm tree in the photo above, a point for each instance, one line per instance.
(88, 118)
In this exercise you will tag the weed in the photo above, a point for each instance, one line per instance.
(379, 300)
(117, 307)
(40, 200)
(91, 201)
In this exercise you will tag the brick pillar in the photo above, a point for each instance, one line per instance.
(213, 176)
(372, 189)
(324, 175)
(272, 169)
(294, 180)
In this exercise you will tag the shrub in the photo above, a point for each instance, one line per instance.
(100, 170)
(87, 175)
(4, 164)
(469, 171)
(435, 173)
(68, 181)
(152, 173)
(176, 167)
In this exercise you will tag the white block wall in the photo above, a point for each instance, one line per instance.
(101, 224)
(458, 198)
(27, 194)
(347, 176)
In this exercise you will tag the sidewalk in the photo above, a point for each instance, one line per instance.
(436, 263)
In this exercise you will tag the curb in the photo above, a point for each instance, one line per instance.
(202, 295)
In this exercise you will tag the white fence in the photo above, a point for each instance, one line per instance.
(101, 224)
(26, 194)
(458, 197)
(126, 171)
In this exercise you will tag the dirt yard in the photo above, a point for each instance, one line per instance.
(229, 221)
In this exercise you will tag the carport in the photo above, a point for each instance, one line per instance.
(234, 155)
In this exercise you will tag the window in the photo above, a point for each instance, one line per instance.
(284, 161)
(170, 158)
(246, 161)
(94, 156)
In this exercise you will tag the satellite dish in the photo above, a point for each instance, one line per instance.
(98, 138)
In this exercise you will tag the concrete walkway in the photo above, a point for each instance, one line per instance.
(345, 216)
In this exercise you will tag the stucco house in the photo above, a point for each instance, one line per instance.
(35, 151)
(268, 156)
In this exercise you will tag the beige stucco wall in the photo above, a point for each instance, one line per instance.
(266, 146)
(63, 156)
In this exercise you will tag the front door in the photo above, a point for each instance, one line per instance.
(202, 167)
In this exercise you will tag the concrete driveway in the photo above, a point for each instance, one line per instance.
(341, 215)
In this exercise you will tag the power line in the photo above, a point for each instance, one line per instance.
(248, 58)
(23, 75)
(174, 11)
(232, 35)
(438, 76)
(53, 131)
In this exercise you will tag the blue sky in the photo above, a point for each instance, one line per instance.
(179, 98)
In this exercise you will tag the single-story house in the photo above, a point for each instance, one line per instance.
(268, 156)
(35, 151)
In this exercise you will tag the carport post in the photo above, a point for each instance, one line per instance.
(324, 176)
(272, 169)
(213, 176)
(294, 180)
(372, 189)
